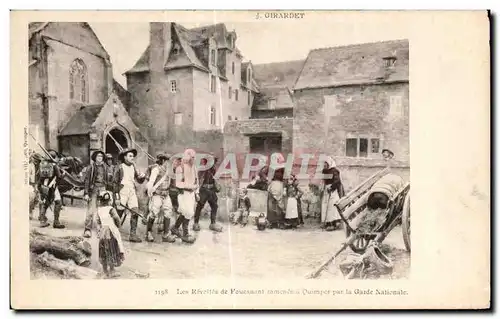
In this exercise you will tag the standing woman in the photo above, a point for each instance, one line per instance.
(332, 192)
(276, 198)
(186, 180)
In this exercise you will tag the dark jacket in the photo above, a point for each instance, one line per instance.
(90, 176)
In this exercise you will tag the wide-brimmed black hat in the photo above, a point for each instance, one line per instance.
(94, 155)
(162, 156)
(126, 151)
(388, 151)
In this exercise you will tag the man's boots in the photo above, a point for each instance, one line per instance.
(149, 229)
(57, 212)
(175, 230)
(213, 220)
(166, 237)
(42, 215)
(185, 232)
(134, 219)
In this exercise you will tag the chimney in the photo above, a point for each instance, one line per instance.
(160, 42)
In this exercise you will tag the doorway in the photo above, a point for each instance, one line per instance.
(266, 144)
(111, 147)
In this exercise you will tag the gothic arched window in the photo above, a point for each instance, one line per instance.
(78, 81)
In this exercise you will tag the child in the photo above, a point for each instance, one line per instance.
(111, 250)
(243, 210)
(293, 215)
(314, 200)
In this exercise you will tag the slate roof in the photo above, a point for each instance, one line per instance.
(276, 81)
(123, 94)
(279, 73)
(69, 33)
(81, 122)
(193, 44)
(354, 64)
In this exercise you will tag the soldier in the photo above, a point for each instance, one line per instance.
(173, 190)
(208, 193)
(49, 177)
(110, 172)
(159, 199)
(126, 175)
(98, 178)
(109, 160)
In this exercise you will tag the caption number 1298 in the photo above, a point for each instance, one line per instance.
(161, 292)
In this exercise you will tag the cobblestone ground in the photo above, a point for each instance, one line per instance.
(236, 252)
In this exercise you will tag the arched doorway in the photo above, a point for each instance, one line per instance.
(112, 138)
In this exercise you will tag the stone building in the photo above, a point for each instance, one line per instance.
(270, 126)
(187, 85)
(74, 103)
(352, 102)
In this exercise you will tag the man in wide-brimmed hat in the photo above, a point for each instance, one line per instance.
(387, 154)
(126, 175)
(98, 178)
(49, 177)
(160, 205)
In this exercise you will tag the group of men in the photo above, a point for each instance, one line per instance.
(102, 175)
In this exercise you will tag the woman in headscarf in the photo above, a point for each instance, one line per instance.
(186, 180)
(276, 196)
(293, 215)
(332, 192)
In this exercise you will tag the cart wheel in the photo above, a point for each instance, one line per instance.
(406, 223)
(360, 244)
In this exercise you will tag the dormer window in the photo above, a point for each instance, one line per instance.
(389, 61)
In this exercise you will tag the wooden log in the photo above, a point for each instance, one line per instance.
(66, 268)
(60, 248)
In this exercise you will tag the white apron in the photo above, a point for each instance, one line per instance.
(107, 221)
(329, 212)
(292, 210)
(187, 202)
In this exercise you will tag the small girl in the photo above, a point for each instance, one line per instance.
(293, 215)
(243, 210)
(111, 250)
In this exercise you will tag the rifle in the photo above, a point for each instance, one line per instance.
(124, 217)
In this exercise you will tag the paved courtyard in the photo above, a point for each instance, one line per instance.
(238, 252)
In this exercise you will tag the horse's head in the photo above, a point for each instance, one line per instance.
(72, 165)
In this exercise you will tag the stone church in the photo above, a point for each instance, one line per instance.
(75, 105)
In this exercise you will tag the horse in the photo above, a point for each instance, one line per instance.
(72, 165)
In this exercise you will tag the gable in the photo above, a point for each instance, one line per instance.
(76, 34)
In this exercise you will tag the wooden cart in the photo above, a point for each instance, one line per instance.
(398, 210)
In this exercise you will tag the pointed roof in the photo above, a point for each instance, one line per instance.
(68, 33)
(142, 65)
(355, 64)
(81, 122)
